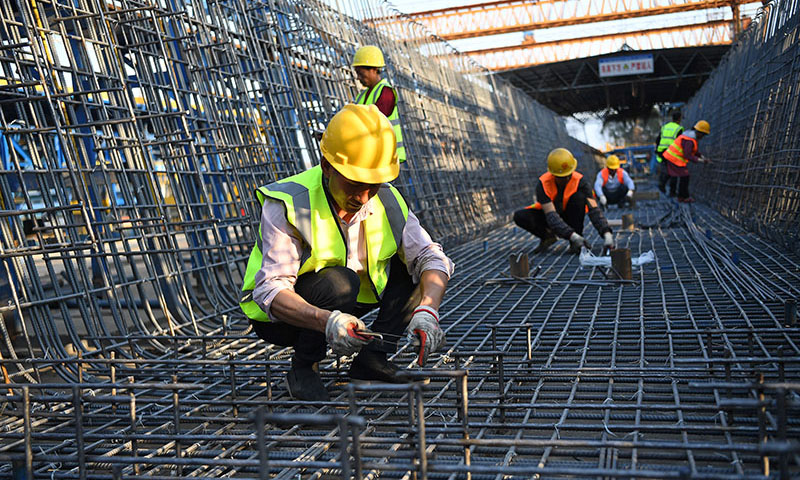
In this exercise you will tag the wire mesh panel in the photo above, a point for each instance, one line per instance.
(132, 134)
(689, 370)
(751, 101)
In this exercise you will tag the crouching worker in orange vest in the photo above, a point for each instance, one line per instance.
(563, 197)
(335, 242)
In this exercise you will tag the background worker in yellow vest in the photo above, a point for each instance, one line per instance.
(669, 132)
(682, 151)
(368, 62)
(335, 242)
(613, 185)
(563, 197)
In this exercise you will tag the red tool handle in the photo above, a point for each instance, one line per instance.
(423, 339)
(351, 331)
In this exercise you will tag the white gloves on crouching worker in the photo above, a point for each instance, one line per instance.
(340, 333)
(423, 330)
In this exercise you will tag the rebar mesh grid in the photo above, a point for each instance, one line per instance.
(132, 134)
(751, 101)
(689, 371)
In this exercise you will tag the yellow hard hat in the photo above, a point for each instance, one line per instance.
(368, 56)
(612, 161)
(560, 162)
(703, 126)
(360, 144)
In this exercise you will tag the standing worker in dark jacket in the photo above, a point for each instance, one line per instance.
(669, 132)
(563, 199)
(682, 151)
(368, 62)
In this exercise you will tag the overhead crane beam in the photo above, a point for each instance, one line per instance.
(492, 18)
(520, 56)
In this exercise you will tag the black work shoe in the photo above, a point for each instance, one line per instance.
(304, 383)
(544, 244)
(370, 365)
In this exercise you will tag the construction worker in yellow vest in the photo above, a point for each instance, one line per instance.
(368, 62)
(669, 132)
(335, 242)
(682, 151)
(563, 198)
(613, 185)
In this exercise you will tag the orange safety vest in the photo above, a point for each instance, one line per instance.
(551, 190)
(604, 172)
(675, 151)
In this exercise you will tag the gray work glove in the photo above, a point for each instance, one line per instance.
(424, 333)
(603, 200)
(340, 333)
(608, 240)
(576, 242)
(629, 194)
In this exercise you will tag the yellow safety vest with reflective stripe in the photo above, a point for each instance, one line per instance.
(308, 210)
(394, 118)
(669, 133)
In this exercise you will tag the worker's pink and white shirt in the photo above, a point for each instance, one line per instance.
(282, 244)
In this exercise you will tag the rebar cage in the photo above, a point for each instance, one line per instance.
(751, 101)
(132, 135)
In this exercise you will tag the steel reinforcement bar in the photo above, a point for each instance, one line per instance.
(133, 133)
(691, 370)
(751, 101)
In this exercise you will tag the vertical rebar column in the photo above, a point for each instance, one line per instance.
(26, 406)
(176, 422)
(462, 394)
(77, 406)
(261, 445)
(419, 401)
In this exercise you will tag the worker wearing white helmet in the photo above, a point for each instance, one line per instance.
(335, 242)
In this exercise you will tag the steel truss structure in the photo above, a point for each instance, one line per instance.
(499, 17)
(538, 53)
(576, 85)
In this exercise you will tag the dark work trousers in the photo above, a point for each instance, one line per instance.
(614, 197)
(534, 221)
(664, 178)
(336, 288)
(682, 184)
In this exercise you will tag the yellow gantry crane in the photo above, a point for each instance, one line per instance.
(501, 17)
